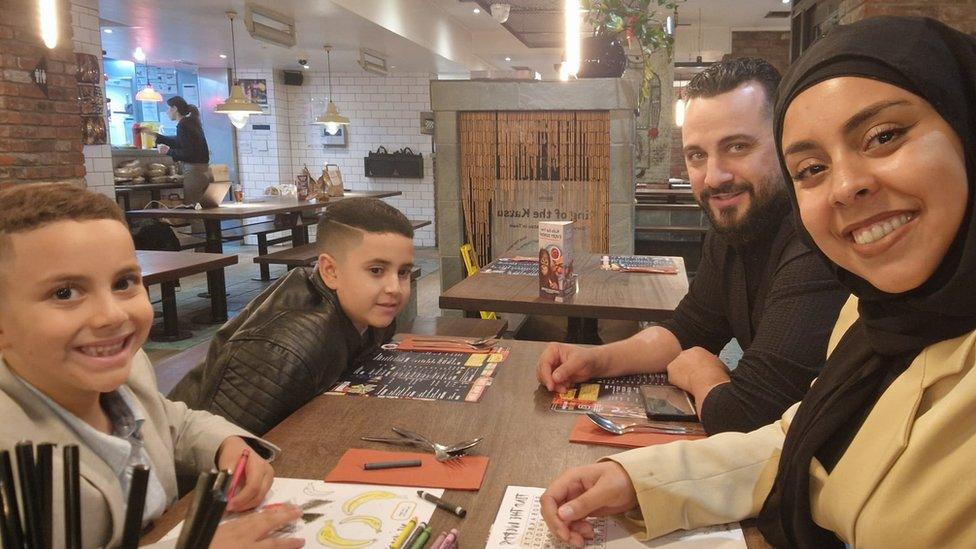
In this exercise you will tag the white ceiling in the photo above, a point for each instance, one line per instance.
(436, 36)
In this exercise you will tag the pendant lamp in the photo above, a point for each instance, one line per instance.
(332, 120)
(147, 94)
(236, 107)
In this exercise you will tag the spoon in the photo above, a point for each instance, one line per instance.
(631, 427)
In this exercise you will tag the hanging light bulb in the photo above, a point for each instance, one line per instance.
(236, 107)
(147, 94)
(49, 22)
(332, 120)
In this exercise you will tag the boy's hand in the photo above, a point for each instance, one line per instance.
(257, 479)
(562, 365)
(594, 490)
(254, 530)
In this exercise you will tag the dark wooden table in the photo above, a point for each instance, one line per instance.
(600, 294)
(167, 268)
(154, 191)
(262, 207)
(528, 444)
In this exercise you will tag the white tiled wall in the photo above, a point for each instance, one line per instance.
(382, 111)
(87, 38)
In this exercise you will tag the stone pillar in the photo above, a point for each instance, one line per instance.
(449, 97)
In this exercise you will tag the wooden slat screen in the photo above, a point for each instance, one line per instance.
(550, 146)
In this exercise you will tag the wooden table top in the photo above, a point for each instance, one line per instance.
(267, 205)
(600, 293)
(528, 444)
(160, 266)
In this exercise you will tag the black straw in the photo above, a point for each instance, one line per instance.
(135, 507)
(218, 503)
(198, 507)
(45, 478)
(72, 498)
(11, 515)
(30, 490)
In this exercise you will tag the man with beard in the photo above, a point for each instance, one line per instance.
(757, 282)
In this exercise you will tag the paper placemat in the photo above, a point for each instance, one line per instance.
(585, 432)
(465, 473)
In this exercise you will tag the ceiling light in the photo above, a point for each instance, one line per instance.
(500, 12)
(571, 30)
(786, 1)
(107, 31)
(49, 22)
(138, 54)
(305, 66)
(332, 120)
(476, 11)
(237, 107)
(148, 94)
(222, 56)
(508, 58)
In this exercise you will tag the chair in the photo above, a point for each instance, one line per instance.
(471, 267)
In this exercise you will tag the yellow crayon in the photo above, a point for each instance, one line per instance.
(404, 534)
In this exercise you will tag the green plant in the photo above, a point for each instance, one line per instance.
(641, 21)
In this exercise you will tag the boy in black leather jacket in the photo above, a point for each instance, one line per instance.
(295, 339)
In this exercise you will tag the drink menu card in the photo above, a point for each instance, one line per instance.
(519, 523)
(509, 266)
(611, 396)
(391, 373)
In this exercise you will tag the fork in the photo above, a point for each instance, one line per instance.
(440, 450)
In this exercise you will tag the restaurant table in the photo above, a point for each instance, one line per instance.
(154, 191)
(600, 294)
(167, 268)
(259, 207)
(527, 443)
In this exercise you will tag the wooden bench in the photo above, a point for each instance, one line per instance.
(307, 254)
(171, 370)
(166, 269)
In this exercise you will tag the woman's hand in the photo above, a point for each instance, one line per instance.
(594, 490)
(254, 530)
(257, 478)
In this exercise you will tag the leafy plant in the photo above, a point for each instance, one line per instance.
(639, 20)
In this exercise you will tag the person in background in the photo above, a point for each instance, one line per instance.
(758, 282)
(189, 147)
(876, 129)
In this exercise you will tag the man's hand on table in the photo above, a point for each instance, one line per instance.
(561, 365)
(255, 530)
(257, 479)
(595, 490)
(697, 371)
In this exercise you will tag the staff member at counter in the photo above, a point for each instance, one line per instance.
(189, 146)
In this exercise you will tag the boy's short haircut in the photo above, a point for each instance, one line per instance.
(28, 206)
(345, 222)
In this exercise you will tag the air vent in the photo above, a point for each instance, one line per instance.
(777, 15)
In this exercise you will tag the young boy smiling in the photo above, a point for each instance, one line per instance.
(73, 316)
(293, 341)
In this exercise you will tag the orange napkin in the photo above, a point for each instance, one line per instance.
(464, 473)
(435, 345)
(585, 432)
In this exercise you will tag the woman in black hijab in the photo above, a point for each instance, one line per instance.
(875, 126)
(188, 146)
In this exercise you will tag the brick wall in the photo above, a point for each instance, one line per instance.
(382, 111)
(773, 46)
(960, 14)
(40, 137)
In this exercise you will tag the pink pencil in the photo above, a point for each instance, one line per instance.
(238, 473)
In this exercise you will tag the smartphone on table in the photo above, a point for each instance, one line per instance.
(667, 403)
